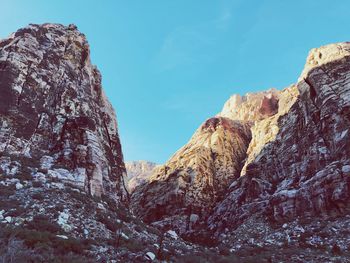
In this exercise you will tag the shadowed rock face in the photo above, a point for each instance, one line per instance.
(53, 111)
(305, 170)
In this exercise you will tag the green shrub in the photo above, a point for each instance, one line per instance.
(133, 245)
(192, 259)
(223, 250)
(9, 204)
(43, 246)
(336, 250)
(138, 228)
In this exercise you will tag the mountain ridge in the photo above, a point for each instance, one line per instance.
(295, 164)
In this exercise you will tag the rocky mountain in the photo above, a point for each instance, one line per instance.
(138, 173)
(184, 191)
(304, 170)
(54, 114)
(197, 175)
(268, 158)
(265, 180)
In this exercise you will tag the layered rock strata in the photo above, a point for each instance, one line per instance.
(54, 117)
(304, 170)
(138, 172)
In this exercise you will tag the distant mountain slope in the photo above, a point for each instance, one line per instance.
(138, 172)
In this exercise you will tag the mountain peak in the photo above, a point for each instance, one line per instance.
(252, 106)
(325, 54)
(53, 109)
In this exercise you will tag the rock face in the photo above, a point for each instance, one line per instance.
(53, 109)
(252, 106)
(138, 172)
(304, 170)
(182, 192)
(285, 154)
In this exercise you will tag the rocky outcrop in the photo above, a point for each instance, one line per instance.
(252, 106)
(182, 192)
(304, 170)
(138, 172)
(55, 118)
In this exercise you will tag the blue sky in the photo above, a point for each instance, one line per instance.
(169, 65)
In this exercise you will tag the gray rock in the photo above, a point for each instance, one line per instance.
(301, 172)
(53, 109)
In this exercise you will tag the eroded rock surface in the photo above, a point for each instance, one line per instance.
(304, 170)
(182, 192)
(138, 172)
(54, 117)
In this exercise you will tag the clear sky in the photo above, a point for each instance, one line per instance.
(169, 65)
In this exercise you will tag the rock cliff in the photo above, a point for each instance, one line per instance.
(138, 172)
(304, 170)
(55, 120)
(182, 192)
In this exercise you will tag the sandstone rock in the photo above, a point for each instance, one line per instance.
(300, 172)
(196, 177)
(8, 167)
(63, 221)
(138, 172)
(2, 214)
(124, 236)
(173, 234)
(199, 174)
(62, 236)
(252, 106)
(53, 109)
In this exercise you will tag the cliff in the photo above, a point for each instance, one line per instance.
(55, 119)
